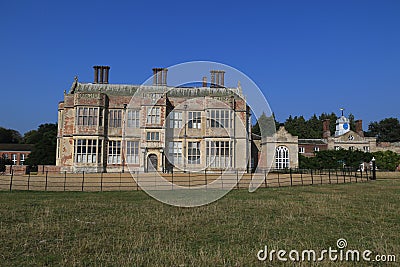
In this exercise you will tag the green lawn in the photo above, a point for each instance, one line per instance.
(130, 228)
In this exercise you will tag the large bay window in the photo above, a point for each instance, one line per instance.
(88, 150)
(219, 154)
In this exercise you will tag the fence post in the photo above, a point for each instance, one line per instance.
(29, 179)
(329, 175)
(101, 181)
(172, 179)
(155, 179)
(361, 175)
(237, 180)
(344, 176)
(355, 175)
(120, 181)
(137, 181)
(222, 181)
(65, 179)
(205, 178)
(291, 177)
(279, 182)
(312, 178)
(11, 180)
(83, 179)
(301, 176)
(265, 178)
(45, 188)
(337, 177)
(320, 175)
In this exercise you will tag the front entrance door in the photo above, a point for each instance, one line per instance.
(152, 162)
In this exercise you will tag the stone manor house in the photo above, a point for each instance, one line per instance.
(106, 127)
(116, 127)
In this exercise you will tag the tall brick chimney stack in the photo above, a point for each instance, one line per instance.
(101, 74)
(359, 128)
(204, 81)
(160, 76)
(326, 131)
(217, 78)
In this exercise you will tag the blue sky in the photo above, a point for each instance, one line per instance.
(307, 56)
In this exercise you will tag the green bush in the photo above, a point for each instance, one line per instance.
(334, 159)
(387, 160)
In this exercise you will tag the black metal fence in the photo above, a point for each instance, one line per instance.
(48, 181)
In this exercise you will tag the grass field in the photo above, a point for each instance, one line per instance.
(130, 228)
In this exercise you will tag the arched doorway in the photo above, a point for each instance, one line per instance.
(152, 162)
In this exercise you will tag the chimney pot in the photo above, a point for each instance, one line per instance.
(359, 128)
(160, 76)
(217, 78)
(326, 129)
(204, 81)
(101, 74)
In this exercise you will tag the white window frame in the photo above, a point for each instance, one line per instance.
(114, 152)
(175, 152)
(133, 118)
(87, 116)
(301, 149)
(220, 118)
(22, 159)
(14, 159)
(316, 149)
(115, 118)
(175, 119)
(153, 136)
(132, 152)
(282, 158)
(153, 115)
(194, 119)
(219, 154)
(194, 152)
(87, 150)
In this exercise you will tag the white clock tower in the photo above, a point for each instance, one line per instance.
(342, 125)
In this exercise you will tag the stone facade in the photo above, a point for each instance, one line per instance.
(279, 151)
(112, 127)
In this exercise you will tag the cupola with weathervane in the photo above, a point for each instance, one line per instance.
(342, 125)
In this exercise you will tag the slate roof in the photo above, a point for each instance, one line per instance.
(127, 89)
(16, 147)
(312, 141)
